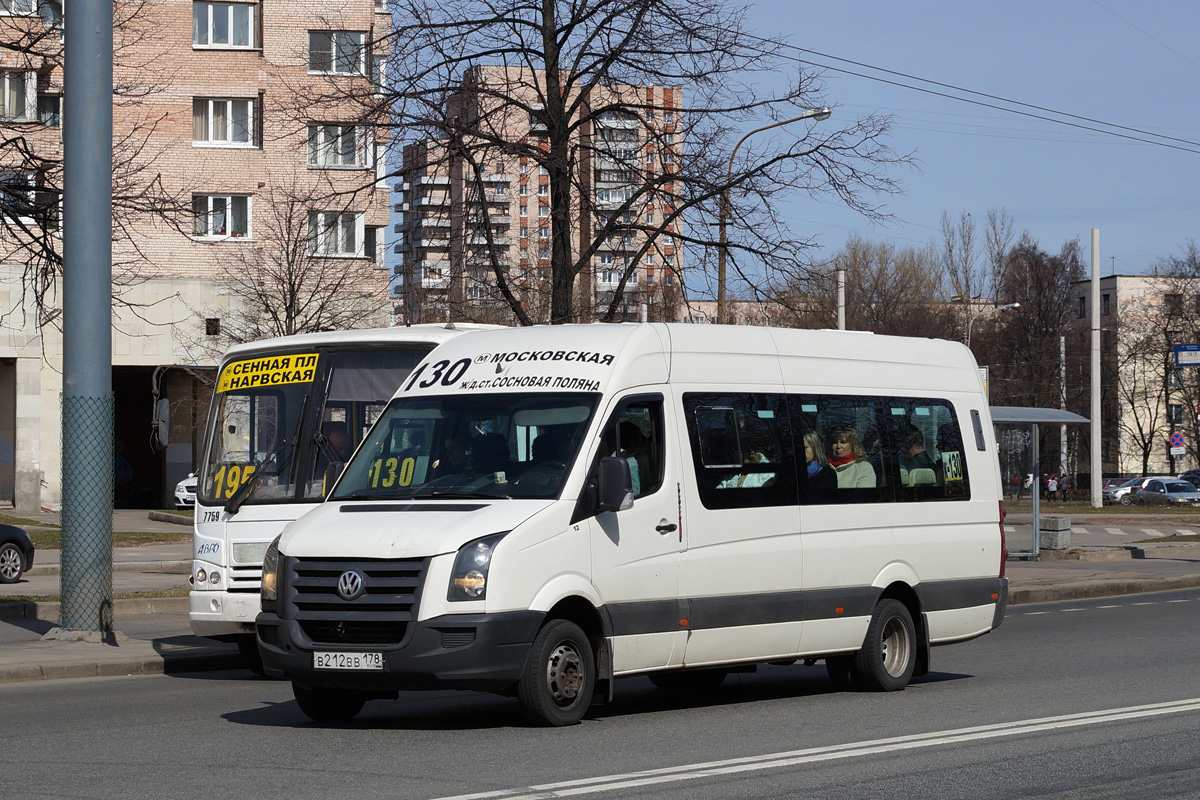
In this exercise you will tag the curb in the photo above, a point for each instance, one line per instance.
(1100, 588)
(120, 667)
(49, 611)
(166, 516)
(182, 567)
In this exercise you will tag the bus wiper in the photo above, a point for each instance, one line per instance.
(243, 492)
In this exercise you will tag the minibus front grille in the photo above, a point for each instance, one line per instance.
(379, 614)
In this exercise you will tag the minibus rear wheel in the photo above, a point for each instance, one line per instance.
(889, 653)
(321, 704)
(560, 674)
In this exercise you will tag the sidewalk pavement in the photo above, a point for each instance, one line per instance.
(159, 640)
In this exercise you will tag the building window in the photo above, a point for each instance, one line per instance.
(49, 110)
(16, 195)
(223, 122)
(335, 233)
(524, 210)
(544, 232)
(372, 241)
(381, 6)
(1175, 414)
(380, 165)
(212, 326)
(13, 8)
(221, 216)
(544, 211)
(523, 169)
(524, 232)
(1082, 307)
(378, 73)
(668, 116)
(337, 52)
(1104, 307)
(1174, 303)
(20, 94)
(524, 190)
(544, 190)
(223, 24)
(339, 146)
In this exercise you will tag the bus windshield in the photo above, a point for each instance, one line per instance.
(491, 446)
(288, 422)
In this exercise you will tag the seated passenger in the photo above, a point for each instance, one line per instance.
(820, 475)
(913, 457)
(490, 453)
(847, 456)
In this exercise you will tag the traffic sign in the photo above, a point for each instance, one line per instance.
(1177, 439)
(1187, 355)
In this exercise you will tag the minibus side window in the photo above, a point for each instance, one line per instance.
(741, 449)
(841, 443)
(927, 450)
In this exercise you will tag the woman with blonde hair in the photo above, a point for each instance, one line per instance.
(820, 474)
(847, 456)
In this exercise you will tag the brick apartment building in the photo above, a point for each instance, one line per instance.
(215, 122)
(446, 208)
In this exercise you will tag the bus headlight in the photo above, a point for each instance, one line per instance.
(270, 573)
(468, 579)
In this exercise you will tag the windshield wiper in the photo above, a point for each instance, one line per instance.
(243, 492)
(449, 495)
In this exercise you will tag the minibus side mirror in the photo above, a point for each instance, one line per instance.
(615, 485)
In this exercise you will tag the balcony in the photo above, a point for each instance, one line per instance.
(432, 180)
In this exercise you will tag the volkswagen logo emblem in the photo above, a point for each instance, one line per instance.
(350, 585)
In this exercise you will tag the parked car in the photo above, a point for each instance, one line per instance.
(1171, 492)
(1110, 483)
(1192, 476)
(16, 553)
(185, 492)
(1123, 493)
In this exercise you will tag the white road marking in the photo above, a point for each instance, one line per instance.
(1108, 606)
(1034, 613)
(708, 769)
(1079, 531)
(1115, 531)
(1182, 532)
(1067, 610)
(1144, 604)
(1153, 533)
(1179, 601)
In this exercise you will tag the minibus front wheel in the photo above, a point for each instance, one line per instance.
(321, 704)
(560, 674)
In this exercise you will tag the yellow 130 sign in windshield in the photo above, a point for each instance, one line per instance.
(256, 373)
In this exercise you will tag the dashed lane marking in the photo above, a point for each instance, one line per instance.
(1153, 533)
(621, 782)
(1115, 531)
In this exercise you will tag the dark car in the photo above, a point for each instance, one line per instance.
(1192, 476)
(1173, 492)
(16, 553)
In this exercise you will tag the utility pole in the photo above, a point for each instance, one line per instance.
(87, 399)
(1097, 469)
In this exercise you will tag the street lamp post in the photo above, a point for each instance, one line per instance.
(723, 214)
(987, 311)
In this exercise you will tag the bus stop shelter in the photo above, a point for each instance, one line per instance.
(1034, 418)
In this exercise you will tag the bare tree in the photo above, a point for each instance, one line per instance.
(559, 87)
(31, 166)
(960, 257)
(282, 284)
(888, 290)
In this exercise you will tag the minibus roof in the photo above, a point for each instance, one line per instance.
(432, 334)
(597, 357)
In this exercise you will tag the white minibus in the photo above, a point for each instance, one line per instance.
(285, 416)
(539, 511)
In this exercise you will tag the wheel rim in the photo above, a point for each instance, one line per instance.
(564, 674)
(896, 647)
(10, 562)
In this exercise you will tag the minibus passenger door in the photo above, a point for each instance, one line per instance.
(635, 550)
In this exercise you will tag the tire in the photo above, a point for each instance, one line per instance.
(889, 653)
(328, 705)
(1126, 499)
(559, 677)
(248, 649)
(692, 680)
(841, 672)
(12, 563)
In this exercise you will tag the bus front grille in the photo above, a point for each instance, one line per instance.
(378, 614)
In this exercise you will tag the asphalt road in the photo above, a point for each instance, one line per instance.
(1093, 699)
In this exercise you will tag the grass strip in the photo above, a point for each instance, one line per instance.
(178, 591)
(52, 539)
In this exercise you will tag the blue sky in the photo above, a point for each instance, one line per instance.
(1120, 61)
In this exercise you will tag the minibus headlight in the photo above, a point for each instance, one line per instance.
(270, 572)
(468, 579)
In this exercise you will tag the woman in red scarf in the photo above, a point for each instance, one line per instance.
(847, 456)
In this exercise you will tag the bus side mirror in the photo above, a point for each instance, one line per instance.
(162, 423)
(615, 485)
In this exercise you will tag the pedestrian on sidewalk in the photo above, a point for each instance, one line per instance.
(1052, 488)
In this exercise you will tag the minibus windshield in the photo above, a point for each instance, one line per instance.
(454, 446)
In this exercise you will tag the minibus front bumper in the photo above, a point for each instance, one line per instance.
(458, 651)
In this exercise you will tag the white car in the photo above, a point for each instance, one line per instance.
(185, 492)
